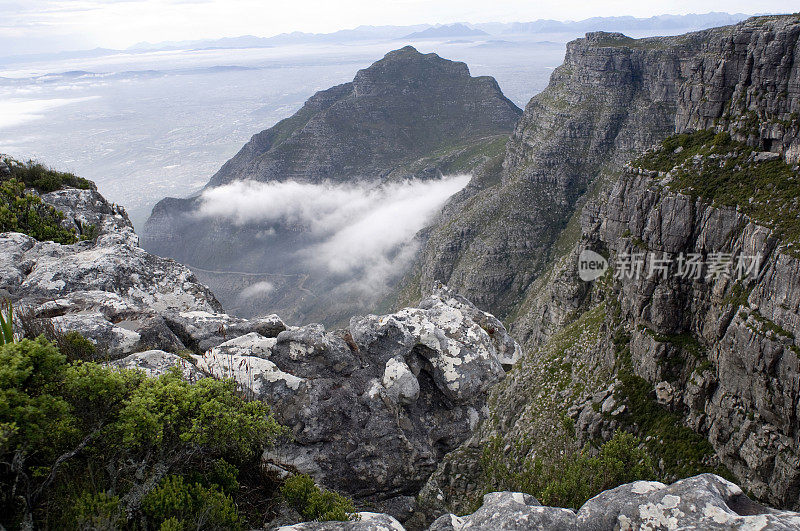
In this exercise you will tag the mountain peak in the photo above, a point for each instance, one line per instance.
(400, 67)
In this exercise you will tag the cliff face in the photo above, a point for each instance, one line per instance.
(704, 370)
(612, 98)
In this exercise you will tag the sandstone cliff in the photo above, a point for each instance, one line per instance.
(705, 370)
(612, 98)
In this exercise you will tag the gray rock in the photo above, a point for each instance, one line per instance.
(765, 156)
(252, 344)
(701, 502)
(366, 522)
(383, 401)
(201, 330)
(114, 293)
(157, 362)
(460, 352)
(258, 377)
(400, 383)
(310, 352)
(509, 510)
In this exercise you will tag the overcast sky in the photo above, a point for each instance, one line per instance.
(50, 25)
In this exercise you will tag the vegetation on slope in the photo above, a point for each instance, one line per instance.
(715, 168)
(314, 503)
(82, 444)
(679, 451)
(43, 179)
(574, 478)
(85, 446)
(24, 211)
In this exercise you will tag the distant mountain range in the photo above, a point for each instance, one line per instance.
(449, 30)
(666, 23)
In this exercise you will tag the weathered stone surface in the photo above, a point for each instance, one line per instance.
(122, 298)
(366, 522)
(158, 362)
(701, 502)
(385, 399)
(201, 330)
(261, 378)
(252, 344)
(400, 383)
(460, 350)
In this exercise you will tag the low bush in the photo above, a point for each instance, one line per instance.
(573, 479)
(43, 179)
(82, 445)
(26, 213)
(313, 503)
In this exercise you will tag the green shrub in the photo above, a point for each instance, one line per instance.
(313, 503)
(98, 512)
(26, 213)
(76, 347)
(44, 179)
(573, 479)
(81, 435)
(89, 232)
(175, 504)
(680, 451)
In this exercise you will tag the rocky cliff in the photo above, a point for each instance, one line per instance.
(409, 115)
(371, 408)
(612, 98)
(703, 369)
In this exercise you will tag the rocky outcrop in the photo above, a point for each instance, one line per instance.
(110, 290)
(701, 502)
(371, 408)
(379, 404)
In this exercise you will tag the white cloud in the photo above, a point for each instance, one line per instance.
(363, 234)
(257, 289)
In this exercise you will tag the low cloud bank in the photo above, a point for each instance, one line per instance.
(363, 235)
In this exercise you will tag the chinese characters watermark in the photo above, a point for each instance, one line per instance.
(689, 266)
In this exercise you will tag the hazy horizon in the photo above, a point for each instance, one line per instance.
(45, 26)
